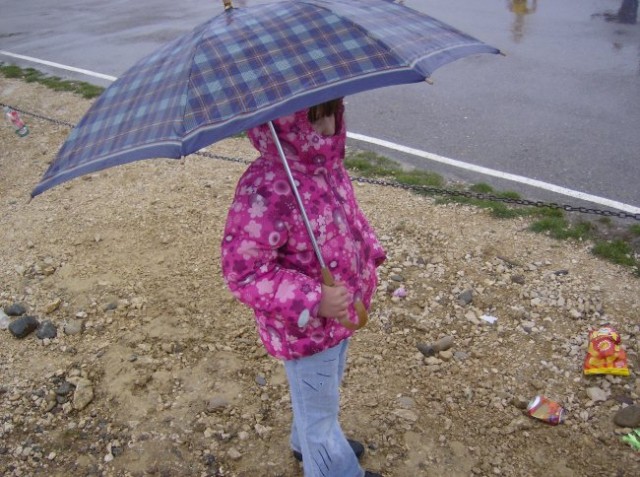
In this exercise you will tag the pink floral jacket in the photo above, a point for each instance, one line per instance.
(268, 261)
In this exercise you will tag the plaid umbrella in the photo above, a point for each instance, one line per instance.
(248, 66)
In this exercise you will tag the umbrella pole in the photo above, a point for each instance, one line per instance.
(327, 277)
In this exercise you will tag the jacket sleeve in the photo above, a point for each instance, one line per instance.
(253, 237)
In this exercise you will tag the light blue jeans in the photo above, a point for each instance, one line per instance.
(314, 382)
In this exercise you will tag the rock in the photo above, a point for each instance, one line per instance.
(443, 343)
(426, 349)
(262, 431)
(217, 403)
(472, 317)
(83, 394)
(628, 416)
(23, 326)
(446, 355)
(16, 309)
(47, 330)
(465, 297)
(53, 306)
(73, 327)
(4, 320)
(430, 349)
(596, 394)
(406, 414)
(234, 454)
(64, 389)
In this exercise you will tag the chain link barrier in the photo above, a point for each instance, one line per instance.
(422, 189)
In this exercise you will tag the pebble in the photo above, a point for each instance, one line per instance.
(83, 394)
(596, 394)
(64, 389)
(4, 320)
(430, 349)
(73, 327)
(47, 330)
(16, 309)
(23, 326)
(628, 416)
(217, 403)
(234, 454)
(465, 297)
(53, 306)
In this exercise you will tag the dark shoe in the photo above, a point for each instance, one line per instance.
(368, 473)
(358, 450)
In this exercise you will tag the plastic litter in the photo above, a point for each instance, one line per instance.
(489, 319)
(13, 117)
(400, 292)
(633, 439)
(605, 354)
(546, 410)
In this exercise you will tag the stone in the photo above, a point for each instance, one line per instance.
(596, 394)
(217, 403)
(64, 389)
(628, 416)
(4, 320)
(73, 327)
(465, 297)
(53, 306)
(47, 330)
(82, 397)
(23, 326)
(16, 309)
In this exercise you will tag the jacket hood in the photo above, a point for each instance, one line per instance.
(306, 150)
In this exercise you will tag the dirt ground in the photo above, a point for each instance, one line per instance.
(156, 370)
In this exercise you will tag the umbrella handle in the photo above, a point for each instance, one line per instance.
(361, 311)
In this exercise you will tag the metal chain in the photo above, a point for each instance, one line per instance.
(39, 116)
(494, 198)
(415, 188)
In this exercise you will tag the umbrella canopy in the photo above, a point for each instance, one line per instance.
(251, 65)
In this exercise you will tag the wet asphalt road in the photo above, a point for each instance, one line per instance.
(562, 107)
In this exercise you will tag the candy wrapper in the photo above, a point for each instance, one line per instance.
(633, 439)
(546, 410)
(605, 354)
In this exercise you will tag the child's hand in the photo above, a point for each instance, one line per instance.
(335, 302)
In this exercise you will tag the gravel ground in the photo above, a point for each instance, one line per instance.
(157, 370)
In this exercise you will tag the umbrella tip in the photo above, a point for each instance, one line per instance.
(500, 52)
(227, 4)
(428, 81)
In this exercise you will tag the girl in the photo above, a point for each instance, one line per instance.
(269, 264)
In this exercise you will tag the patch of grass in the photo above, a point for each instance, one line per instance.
(635, 230)
(499, 210)
(606, 221)
(420, 178)
(370, 164)
(560, 228)
(55, 83)
(616, 251)
(481, 188)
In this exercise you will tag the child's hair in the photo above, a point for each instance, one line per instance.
(323, 110)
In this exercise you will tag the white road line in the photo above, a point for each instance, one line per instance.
(404, 149)
(58, 65)
(494, 173)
